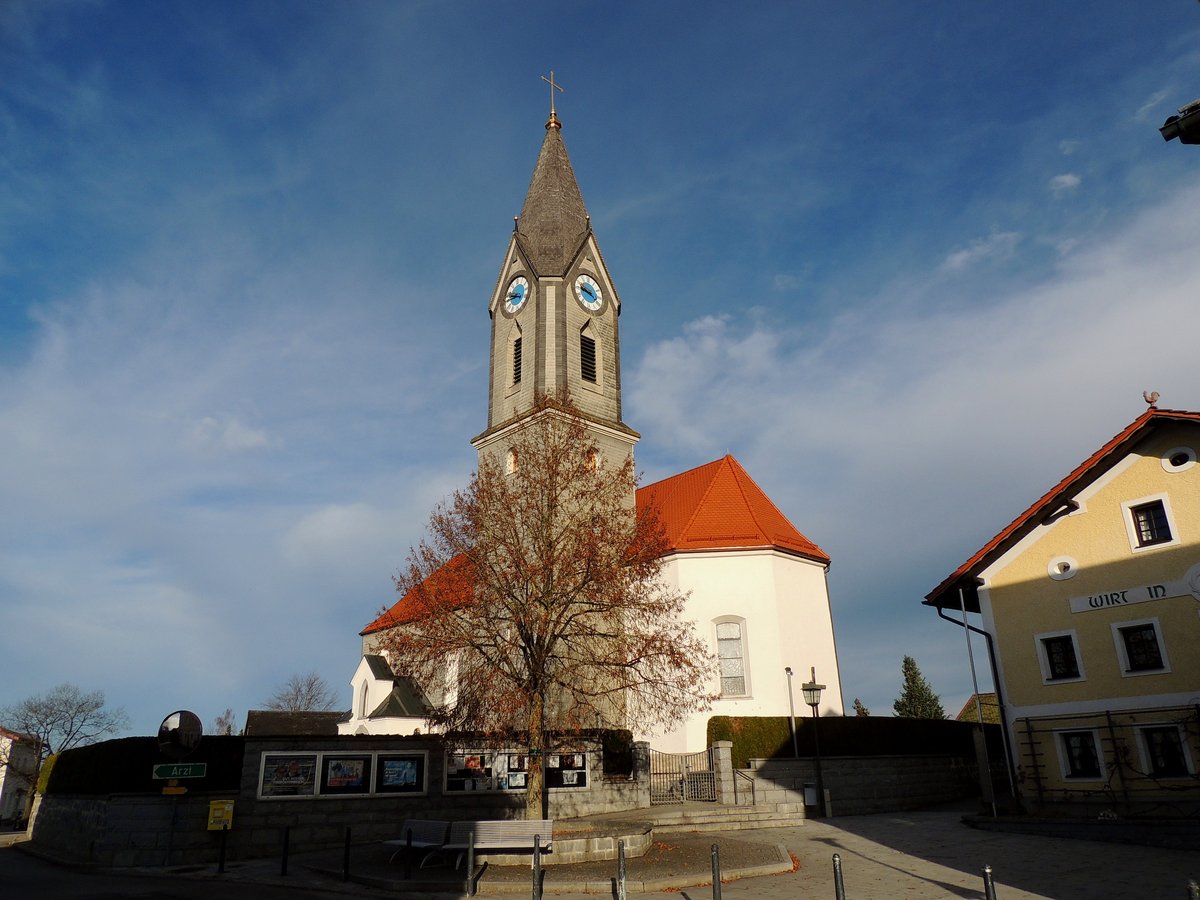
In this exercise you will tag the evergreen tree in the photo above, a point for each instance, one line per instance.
(859, 709)
(917, 699)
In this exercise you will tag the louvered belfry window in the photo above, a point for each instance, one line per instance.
(587, 358)
(517, 361)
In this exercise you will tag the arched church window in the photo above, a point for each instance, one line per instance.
(731, 656)
(510, 462)
(362, 701)
(587, 354)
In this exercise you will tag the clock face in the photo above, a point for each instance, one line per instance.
(588, 292)
(517, 293)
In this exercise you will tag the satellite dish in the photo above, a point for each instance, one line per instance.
(179, 734)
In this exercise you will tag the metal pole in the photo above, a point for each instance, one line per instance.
(792, 713)
(839, 889)
(471, 864)
(716, 871)
(408, 855)
(621, 895)
(346, 857)
(287, 836)
(962, 602)
(224, 838)
(537, 867)
(820, 778)
(989, 889)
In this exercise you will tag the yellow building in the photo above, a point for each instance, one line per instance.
(1089, 605)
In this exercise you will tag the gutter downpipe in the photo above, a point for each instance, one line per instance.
(987, 760)
(1008, 757)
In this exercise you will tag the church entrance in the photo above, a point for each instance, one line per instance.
(680, 777)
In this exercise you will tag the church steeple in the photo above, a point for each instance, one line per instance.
(554, 310)
(553, 221)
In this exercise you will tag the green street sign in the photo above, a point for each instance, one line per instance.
(180, 770)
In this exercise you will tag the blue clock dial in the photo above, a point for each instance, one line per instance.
(518, 292)
(588, 292)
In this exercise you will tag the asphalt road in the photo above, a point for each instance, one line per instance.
(23, 875)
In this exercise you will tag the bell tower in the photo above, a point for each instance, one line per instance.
(554, 312)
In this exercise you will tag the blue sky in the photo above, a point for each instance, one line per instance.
(910, 263)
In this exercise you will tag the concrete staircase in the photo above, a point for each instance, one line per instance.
(715, 817)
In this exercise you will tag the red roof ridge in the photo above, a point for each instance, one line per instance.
(1130, 433)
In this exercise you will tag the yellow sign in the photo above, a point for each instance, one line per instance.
(174, 790)
(220, 815)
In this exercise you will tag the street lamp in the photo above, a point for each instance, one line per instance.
(812, 696)
(792, 712)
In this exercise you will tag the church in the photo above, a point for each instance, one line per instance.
(756, 586)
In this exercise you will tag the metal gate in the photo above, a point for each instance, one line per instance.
(676, 777)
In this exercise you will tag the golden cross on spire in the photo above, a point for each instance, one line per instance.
(553, 123)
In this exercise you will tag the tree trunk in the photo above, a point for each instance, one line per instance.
(535, 788)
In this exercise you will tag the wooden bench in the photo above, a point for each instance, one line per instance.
(427, 834)
(514, 835)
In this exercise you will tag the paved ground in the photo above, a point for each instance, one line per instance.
(909, 856)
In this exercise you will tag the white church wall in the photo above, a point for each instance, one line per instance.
(782, 603)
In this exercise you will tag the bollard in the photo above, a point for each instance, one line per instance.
(839, 889)
(471, 864)
(221, 858)
(716, 871)
(537, 867)
(621, 895)
(408, 854)
(346, 857)
(1193, 889)
(989, 889)
(287, 834)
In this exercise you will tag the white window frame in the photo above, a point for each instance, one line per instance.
(741, 622)
(1144, 748)
(1131, 528)
(1123, 654)
(1044, 657)
(1060, 741)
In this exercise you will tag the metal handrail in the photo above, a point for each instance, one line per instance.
(738, 773)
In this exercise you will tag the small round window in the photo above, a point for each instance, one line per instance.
(1179, 459)
(1062, 567)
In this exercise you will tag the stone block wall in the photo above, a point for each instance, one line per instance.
(858, 785)
(157, 830)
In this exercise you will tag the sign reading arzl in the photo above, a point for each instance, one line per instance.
(1128, 596)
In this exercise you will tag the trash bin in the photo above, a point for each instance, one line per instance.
(810, 793)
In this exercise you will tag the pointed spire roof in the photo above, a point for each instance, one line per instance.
(718, 506)
(553, 221)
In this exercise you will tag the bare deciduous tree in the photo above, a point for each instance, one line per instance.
(65, 717)
(225, 723)
(303, 693)
(539, 587)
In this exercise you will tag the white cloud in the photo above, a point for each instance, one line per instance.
(1153, 106)
(1062, 184)
(789, 281)
(998, 245)
(1068, 147)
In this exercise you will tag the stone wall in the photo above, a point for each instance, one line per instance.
(157, 830)
(857, 785)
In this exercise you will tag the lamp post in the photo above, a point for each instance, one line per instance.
(792, 712)
(812, 696)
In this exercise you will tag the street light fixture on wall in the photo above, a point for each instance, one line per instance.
(812, 696)
(792, 712)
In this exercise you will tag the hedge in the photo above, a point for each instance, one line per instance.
(769, 737)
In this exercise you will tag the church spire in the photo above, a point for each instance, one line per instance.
(553, 221)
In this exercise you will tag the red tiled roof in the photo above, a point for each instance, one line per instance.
(713, 507)
(1087, 472)
(452, 578)
(718, 506)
